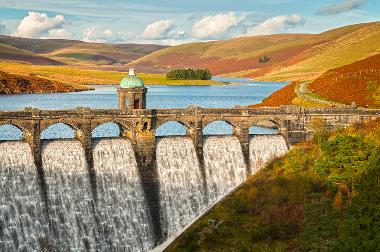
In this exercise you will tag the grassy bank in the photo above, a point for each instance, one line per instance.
(76, 76)
(324, 195)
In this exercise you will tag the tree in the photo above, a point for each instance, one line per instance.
(189, 74)
(264, 59)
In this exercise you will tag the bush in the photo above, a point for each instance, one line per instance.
(189, 74)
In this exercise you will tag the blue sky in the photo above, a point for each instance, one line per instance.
(180, 21)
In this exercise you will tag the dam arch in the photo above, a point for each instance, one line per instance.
(219, 127)
(58, 130)
(264, 127)
(177, 128)
(11, 132)
(108, 130)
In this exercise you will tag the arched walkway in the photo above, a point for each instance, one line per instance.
(10, 132)
(171, 128)
(266, 127)
(109, 129)
(218, 128)
(58, 131)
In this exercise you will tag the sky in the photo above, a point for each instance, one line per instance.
(172, 22)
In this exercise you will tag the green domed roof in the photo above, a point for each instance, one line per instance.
(131, 81)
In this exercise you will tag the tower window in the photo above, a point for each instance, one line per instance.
(136, 104)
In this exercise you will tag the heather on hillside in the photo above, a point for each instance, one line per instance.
(358, 82)
(324, 195)
(280, 97)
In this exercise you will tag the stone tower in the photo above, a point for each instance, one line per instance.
(131, 92)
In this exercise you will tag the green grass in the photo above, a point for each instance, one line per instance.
(324, 195)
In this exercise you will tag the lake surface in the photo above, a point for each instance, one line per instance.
(240, 92)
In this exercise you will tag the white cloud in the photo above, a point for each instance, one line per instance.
(345, 6)
(162, 29)
(275, 25)
(58, 34)
(39, 25)
(100, 35)
(216, 26)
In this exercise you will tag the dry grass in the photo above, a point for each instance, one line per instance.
(353, 46)
(71, 75)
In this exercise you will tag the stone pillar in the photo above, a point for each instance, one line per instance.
(34, 139)
(84, 135)
(196, 136)
(144, 145)
(242, 134)
(121, 99)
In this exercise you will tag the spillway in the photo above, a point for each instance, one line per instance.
(224, 164)
(120, 217)
(181, 183)
(23, 222)
(122, 209)
(71, 206)
(264, 148)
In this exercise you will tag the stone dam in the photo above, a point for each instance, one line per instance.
(133, 192)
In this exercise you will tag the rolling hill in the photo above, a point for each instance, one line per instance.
(71, 52)
(358, 82)
(15, 54)
(291, 56)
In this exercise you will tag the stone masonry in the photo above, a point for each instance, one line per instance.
(139, 125)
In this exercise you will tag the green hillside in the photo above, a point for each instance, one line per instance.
(324, 195)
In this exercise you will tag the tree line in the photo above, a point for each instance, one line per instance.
(189, 74)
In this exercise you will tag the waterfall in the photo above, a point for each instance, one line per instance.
(122, 209)
(70, 200)
(264, 148)
(181, 183)
(23, 223)
(224, 164)
(120, 221)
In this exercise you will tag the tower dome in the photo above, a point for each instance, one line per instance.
(131, 81)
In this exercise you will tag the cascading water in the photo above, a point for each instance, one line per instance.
(181, 183)
(224, 164)
(120, 221)
(23, 223)
(122, 210)
(71, 206)
(264, 148)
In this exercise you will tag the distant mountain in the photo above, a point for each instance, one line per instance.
(273, 57)
(60, 51)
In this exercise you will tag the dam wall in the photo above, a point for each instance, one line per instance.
(63, 213)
